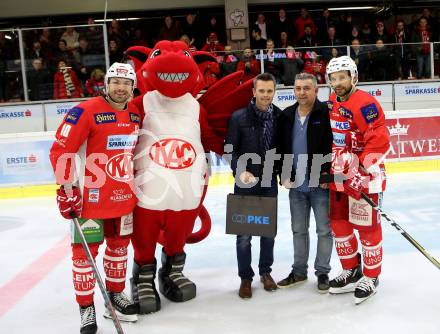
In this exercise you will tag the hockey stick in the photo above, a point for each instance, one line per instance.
(406, 235)
(108, 304)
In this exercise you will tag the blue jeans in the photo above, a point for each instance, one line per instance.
(243, 244)
(300, 205)
(423, 66)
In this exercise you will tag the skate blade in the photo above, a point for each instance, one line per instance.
(346, 289)
(121, 317)
(360, 300)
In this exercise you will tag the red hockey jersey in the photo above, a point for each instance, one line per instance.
(103, 140)
(358, 127)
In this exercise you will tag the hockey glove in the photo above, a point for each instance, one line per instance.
(355, 186)
(69, 207)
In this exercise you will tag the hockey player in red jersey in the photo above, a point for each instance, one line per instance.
(360, 143)
(102, 132)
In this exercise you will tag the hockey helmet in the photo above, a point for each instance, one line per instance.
(343, 63)
(120, 70)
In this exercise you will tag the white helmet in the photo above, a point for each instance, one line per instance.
(120, 70)
(343, 63)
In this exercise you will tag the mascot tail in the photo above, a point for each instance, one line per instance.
(202, 233)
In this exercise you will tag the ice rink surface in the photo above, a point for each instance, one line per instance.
(36, 293)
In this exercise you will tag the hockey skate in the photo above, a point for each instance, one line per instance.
(172, 283)
(366, 287)
(346, 280)
(88, 320)
(124, 308)
(143, 288)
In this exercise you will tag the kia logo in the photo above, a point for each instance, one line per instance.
(120, 167)
(173, 153)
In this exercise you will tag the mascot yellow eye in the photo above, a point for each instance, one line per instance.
(155, 53)
(187, 53)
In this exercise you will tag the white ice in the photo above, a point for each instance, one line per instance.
(408, 298)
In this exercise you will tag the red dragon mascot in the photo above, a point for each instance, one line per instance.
(171, 168)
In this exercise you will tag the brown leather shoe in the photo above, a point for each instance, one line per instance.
(245, 291)
(268, 282)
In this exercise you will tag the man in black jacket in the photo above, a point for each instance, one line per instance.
(305, 141)
(251, 136)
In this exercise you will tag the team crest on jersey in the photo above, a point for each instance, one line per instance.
(134, 118)
(329, 105)
(73, 115)
(370, 113)
(345, 113)
(93, 195)
(173, 153)
(120, 167)
(105, 117)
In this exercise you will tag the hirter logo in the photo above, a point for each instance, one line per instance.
(28, 113)
(173, 153)
(120, 167)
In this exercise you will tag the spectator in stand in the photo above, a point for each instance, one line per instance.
(94, 35)
(187, 40)
(249, 65)
(95, 85)
(366, 34)
(290, 66)
(214, 26)
(360, 58)
(71, 36)
(65, 83)
(64, 53)
(229, 62)
(423, 37)
(39, 81)
(117, 33)
(401, 51)
(214, 47)
(354, 35)
(413, 26)
(301, 21)
(381, 58)
(315, 65)
(322, 25)
(170, 30)
(432, 22)
(380, 32)
(191, 28)
(331, 41)
(271, 62)
(210, 71)
(47, 40)
(307, 40)
(115, 52)
(138, 38)
(257, 42)
(344, 28)
(261, 23)
(282, 24)
(284, 40)
(36, 51)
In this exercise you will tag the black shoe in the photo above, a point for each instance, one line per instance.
(323, 283)
(172, 283)
(88, 320)
(365, 288)
(143, 288)
(125, 309)
(347, 279)
(291, 280)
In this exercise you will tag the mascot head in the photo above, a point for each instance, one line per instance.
(171, 69)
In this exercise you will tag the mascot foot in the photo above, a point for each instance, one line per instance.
(172, 283)
(143, 289)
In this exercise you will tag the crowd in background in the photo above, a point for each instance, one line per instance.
(70, 62)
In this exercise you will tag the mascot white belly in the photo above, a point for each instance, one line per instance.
(170, 163)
